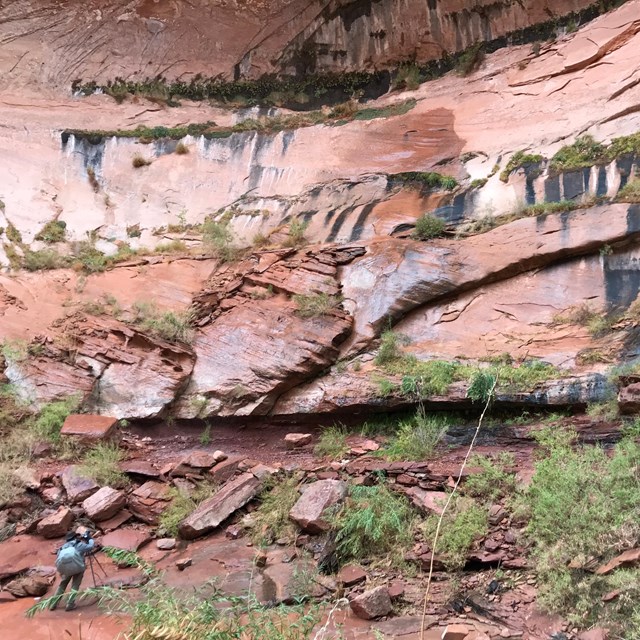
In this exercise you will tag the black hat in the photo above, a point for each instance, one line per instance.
(70, 536)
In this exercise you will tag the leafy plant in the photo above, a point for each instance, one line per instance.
(373, 522)
(470, 59)
(53, 231)
(389, 348)
(217, 237)
(496, 479)
(90, 259)
(181, 506)
(181, 149)
(583, 503)
(49, 421)
(426, 180)
(428, 226)
(584, 152)
(43, 260)
(407, 77)
(296, 234)
(464, 522)
(518, 160)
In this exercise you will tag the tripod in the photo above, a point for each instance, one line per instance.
(93, 558)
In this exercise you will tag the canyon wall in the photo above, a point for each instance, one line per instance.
(493, 286)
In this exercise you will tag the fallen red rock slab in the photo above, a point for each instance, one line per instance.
(628, 558)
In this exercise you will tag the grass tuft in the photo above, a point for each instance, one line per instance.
(332, 443)
(417, 437)
(374, 522)
(271, 518)
(315, 305)
(102, 463)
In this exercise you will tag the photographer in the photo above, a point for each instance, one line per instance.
(71, 566)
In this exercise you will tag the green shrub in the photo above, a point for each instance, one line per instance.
(583, 503)
(271, 518)
(332, 442)
(43, 260)
(518, 160)
(173, 326)
(389, 349)
(407, 77)
(53, 231)
(470, 60)
(428, 226)
(630, 192)
(89, 258)
(296, 234)
(417, 438)
(526, 376)
(545, 208)
(427, 180)
(422, 378)
(102, 463)
(13, 235)
(315, 305)
(373, 523)
(606, 410)
(481, 385)
(218, 238)
(49, 421)
(464, 522)
(496, 479)
(584, 152)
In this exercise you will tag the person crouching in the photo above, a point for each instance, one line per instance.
(71, 566)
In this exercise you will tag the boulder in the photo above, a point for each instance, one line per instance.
(396, 589)
(374, 603)
(225, 469)
(166, 544)
(89, 428)
(183, 563)
(316, 498)
(629, 399)
(215, 510)
(148, 501)
(52, 495)
(29, 585)
(351, 574)
(117, 521)
(126, 539)
(78, 487)
(27, 478)
(140, 468)
(104, 504)
(57, 524)
(296, 440)
(427, 501)
(455, 632)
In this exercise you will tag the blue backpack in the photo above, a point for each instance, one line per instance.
(69, 561)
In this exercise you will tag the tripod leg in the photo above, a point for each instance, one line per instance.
(100, 566)
(93, 575)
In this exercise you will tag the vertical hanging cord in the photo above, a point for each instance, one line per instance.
(444, 510)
